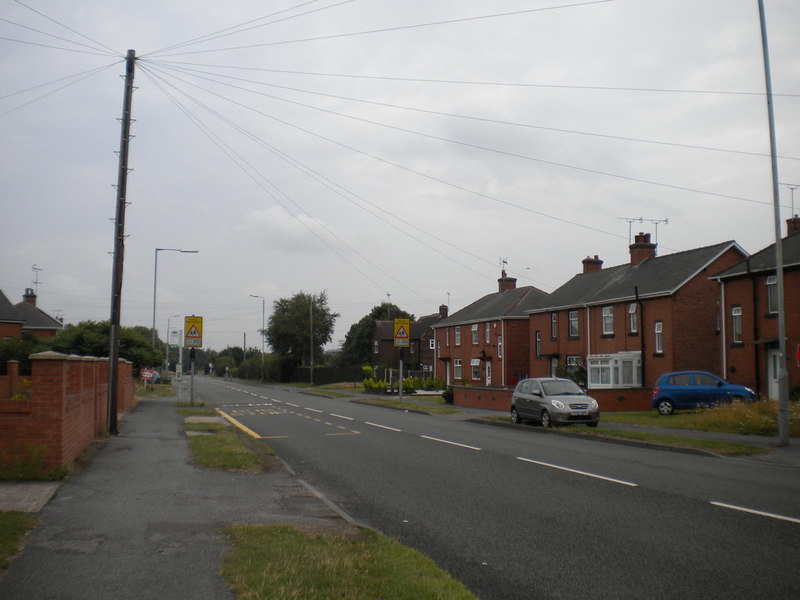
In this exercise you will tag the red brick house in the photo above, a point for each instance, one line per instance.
(419, 355)
(749, 336)
(25, 317)
(487, 342)
(621, 327)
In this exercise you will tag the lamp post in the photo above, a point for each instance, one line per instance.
(155, 278)
(263, 333)
(166, 355)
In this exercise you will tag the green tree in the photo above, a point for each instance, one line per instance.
(357, 347)
(298, 324)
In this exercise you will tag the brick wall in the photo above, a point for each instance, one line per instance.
(499, 399)
(65, 410)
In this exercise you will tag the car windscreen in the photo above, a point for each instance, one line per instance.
(561, 388)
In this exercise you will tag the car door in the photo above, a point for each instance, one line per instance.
(707, 388)
(522, 398)
(681, 390)
(536, 399)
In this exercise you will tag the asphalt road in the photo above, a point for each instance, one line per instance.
(522, 514)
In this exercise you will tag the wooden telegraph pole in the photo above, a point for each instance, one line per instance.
(119, 245)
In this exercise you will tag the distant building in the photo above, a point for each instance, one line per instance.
(25, 317)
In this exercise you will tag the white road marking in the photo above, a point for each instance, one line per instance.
(756, 512)
(295, 405)
(382, 426)
(596, 476)
(312, 409)
(427, 437)
(342, 417)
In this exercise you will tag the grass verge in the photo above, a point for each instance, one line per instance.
(14, 526)
(277, 562)
(723, 448)
(429, 407)
(220, 447)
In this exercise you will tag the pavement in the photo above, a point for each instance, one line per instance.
(138, 521)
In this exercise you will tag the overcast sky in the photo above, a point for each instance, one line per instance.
(378, 149)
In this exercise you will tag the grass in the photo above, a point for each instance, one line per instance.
(197, 411)
(753, 418)
(723, 448)
(157, 389)
(430, 407)
(222, 448)
(278, 562)
(14, 526)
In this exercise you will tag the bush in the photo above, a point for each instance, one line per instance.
(374, 387)
(447, 394)
(366, 371)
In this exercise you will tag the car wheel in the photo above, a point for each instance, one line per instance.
(515, 418)
(665, 407)
(546, 422)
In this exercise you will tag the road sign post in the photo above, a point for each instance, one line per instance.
(402, 335)
(193, 338)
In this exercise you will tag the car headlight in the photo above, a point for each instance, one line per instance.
(557, 403)
(594, 404)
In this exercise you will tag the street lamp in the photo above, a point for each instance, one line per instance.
(263, 334)
(166, 355)
(155, 277)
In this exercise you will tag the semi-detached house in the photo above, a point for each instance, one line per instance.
(487, 343)
(619, 328)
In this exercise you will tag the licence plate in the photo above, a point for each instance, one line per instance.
(579, 413)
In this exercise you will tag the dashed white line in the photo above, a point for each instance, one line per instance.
(295, 405)
(427, 437)
(342, 417)
(382, 426)
(594, 475)
(752, 511)
(312, 409)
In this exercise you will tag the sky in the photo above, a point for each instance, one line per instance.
(378, 150)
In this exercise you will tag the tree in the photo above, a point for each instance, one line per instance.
(298, 324)
(357, 347)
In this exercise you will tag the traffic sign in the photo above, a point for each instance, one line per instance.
(193, 328)
(146, 374)
(402, 330)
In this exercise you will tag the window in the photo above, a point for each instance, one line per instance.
(633, 318)
(432, 344)
(573, 323)
(608, 320)
(553, 326)
(457, 336)
(376, 346)
(499, 346)
(574, 365)
(475, 363)
(658, 329)
(457, 368)
(736, 324)
(620, 370)
(447, 337)
(538, 348)
(474, 330)
(772, 294)
(488, 373)
(488, 334)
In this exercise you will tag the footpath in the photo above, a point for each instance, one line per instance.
(139, 521)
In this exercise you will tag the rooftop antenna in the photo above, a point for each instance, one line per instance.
(792, 187)
(36, 270)
(632, 220)
(503, 263)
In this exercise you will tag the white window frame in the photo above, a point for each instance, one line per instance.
(608, 320)
(573, 324)
(772, 294)
(553, 326)
(488, 334)
(488, 373)
(474, 330)
(376, 347)
(538, 347)
(499, 346)
(658, 333)
(475, 363)
(620, 370)
(736, 324)
(457, 368)
(633, 318)
(457, 335)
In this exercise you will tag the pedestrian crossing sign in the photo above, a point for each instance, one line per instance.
(193, 328)
(401, 333)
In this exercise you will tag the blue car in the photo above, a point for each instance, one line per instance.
(690, 389)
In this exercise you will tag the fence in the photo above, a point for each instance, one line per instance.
(56, 414)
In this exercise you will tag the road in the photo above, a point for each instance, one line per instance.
(517, 513)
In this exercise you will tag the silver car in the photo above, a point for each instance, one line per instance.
(553, 401)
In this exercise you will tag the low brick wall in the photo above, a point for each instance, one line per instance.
(495, 398)
(64, 410)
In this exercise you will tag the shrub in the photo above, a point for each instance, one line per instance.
(447, 394)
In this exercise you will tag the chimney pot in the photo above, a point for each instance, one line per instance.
(506, 283)
(29, 296)
(792, 225)
(443, 311)
(642, 249)
(592, 264)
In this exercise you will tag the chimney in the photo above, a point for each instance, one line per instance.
(442, 311)
(642, 249)
(792, 225)
(29, 296)
(592, 264)
(506, 283)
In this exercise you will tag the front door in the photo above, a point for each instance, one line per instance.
(773, 369)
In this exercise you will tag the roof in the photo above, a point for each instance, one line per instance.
(659, 276)
(27, 314)
(510, 304)
(7, 312)
(764, 260)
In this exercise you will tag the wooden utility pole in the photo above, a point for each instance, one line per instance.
(119, 245)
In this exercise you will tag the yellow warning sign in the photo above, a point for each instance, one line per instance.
(402, 330)
(193, 328)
